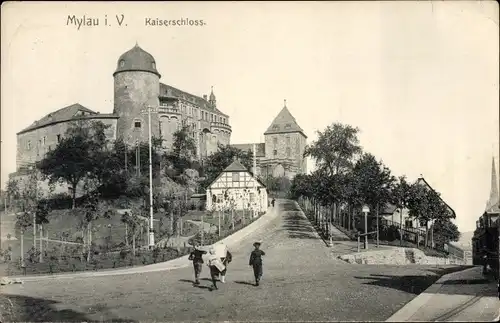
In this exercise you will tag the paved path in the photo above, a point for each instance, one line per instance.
(302, 281)
(464, 296)
(182, 240)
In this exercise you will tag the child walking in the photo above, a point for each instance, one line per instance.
(256, 262)
(197, 257)
(216, 267)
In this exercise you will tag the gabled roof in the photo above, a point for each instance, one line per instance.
(66, 114)
(284, 123)
(235, 166)
(388, 209)
(169, 91)
(260, 148)
(421, 180)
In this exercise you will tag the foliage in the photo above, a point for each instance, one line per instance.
(23, 221)
(80, 154)
(445, 231)
(335, 148)
(217, 162)
(373, 181)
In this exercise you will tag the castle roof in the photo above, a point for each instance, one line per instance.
(168, 91)
(136, 59)
(284, 123)
(260, 148)
(72, 112)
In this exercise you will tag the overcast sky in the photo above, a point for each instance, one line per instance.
(420, 79)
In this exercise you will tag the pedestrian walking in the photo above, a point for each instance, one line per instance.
(197, 257)
(222, 251)
(273, 201)
(256, 262)
(215, 265)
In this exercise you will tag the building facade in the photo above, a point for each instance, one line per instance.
(412, 227)
(486, 239)
(282, 153)
(35, 141)
(237, 189)
(137, 87)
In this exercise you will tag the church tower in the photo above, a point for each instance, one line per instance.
(285, 143)
(136, 87)
(494, 199)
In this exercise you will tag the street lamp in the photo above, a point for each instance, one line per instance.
(149, 110)
(366, 209)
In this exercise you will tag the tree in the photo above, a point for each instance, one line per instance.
(426, 206)
(132, 222)
(445, 232)
(77, 156)
(41, 218)
(374, 182)
(217, 162)
(23, 221)
(30, 195)
(13, 190)
(335, 148)
(401, 195)
(437, 211)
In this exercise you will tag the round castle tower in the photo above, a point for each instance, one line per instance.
(136, 86)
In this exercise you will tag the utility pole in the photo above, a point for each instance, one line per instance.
(148, 110)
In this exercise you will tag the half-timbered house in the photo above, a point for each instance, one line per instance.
(237, 188)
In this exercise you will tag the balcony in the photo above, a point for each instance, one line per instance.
(162, 109)
(220, 125)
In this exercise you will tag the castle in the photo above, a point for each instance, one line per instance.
(137, 88)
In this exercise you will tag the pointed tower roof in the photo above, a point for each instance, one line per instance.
(492, 206)
(284, 123)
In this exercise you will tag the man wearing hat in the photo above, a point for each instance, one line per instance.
(256, 262)
(197, 257)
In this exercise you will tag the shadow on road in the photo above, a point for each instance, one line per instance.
(410, 284)
(297, 226)
(17, 308)
(243, 282)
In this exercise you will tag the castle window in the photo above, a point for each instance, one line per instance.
(122, 63)
(288, 140)
(29, 145)
(137, 124)
(44, 138)
(288, 126)
(236, 177)
(275, 141)
(288, 153)
(276, 127)
(58, 138)
(153, 65)
(275, 152)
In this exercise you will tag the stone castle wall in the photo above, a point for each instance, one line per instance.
(135, 91)
(32, 146)
(282, 148)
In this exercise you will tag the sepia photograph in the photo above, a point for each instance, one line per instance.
(250, 161)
